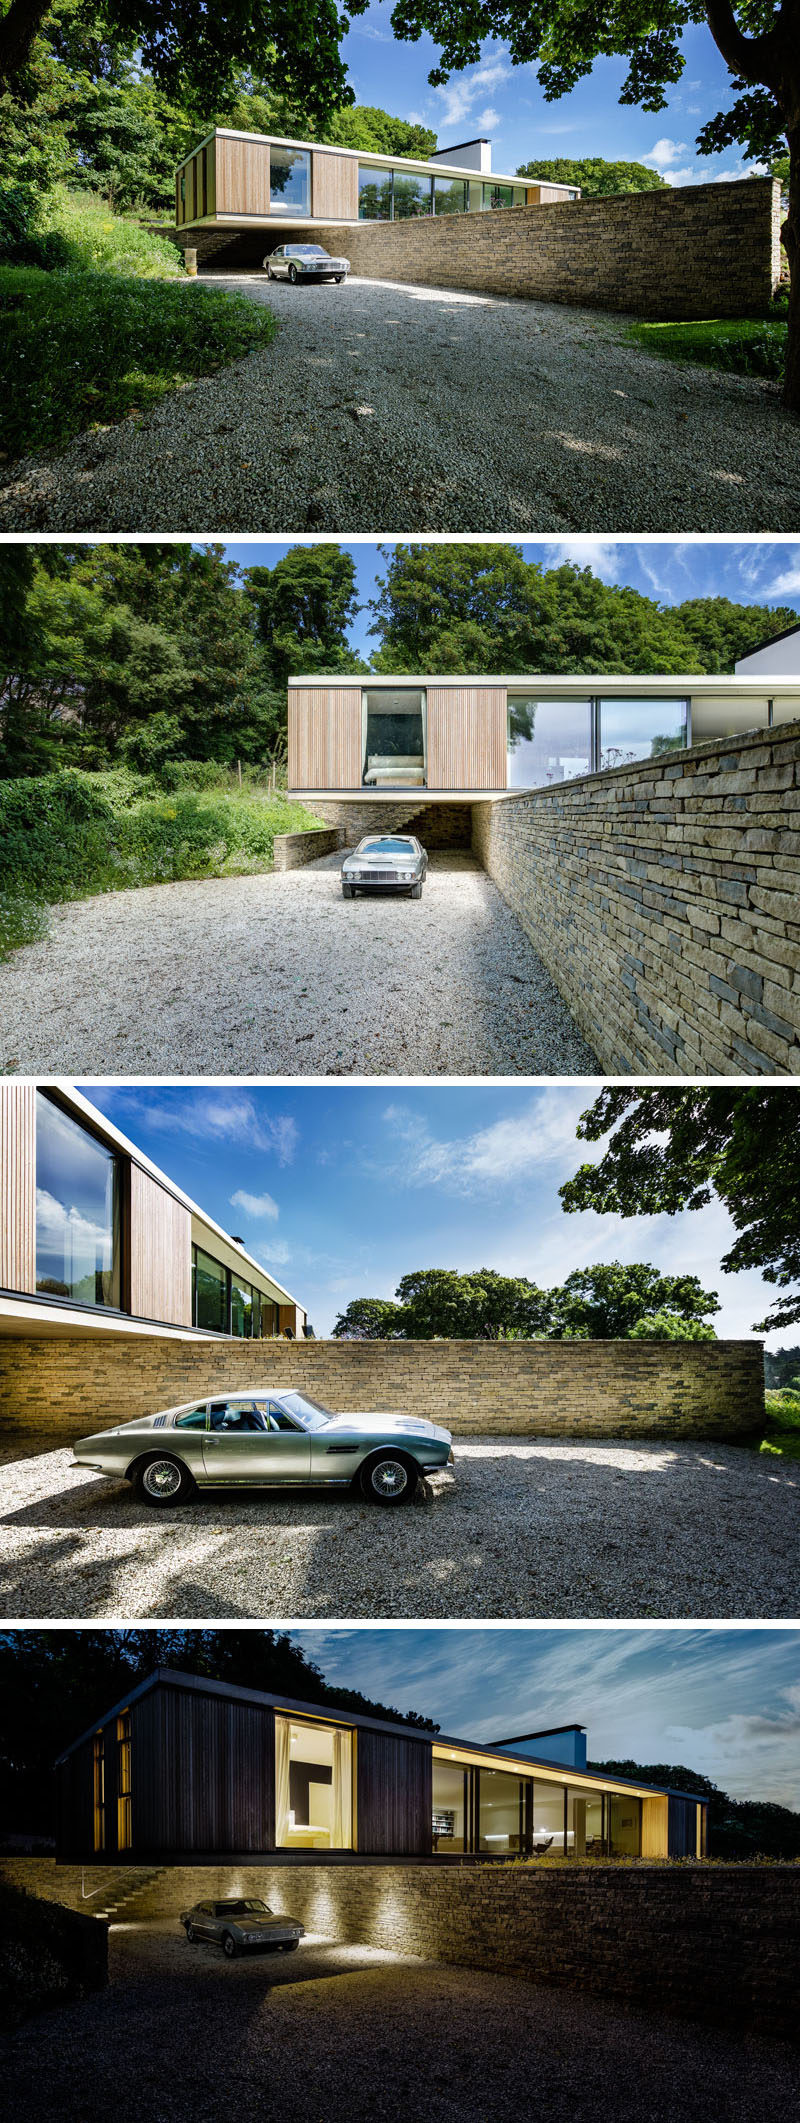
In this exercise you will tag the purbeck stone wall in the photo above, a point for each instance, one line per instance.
(437, 825)
(54, 1390)
(702, 250)
(292, 850)
(713, 1942)
(663, 898)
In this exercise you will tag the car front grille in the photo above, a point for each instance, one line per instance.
(379, 877)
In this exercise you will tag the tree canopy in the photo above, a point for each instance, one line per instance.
(595, 177)
(606, 1302)
(674, 1149)
(737, 1828)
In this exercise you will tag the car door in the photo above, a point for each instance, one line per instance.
(279, 261)
(243, 1445)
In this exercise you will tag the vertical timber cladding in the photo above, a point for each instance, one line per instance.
(242, 177)
(682, 1827)
(466, 737)
(325, 737)
(394, 1788)
(334, 187)
(655, 1827)
(212, 1763)
(159, 1253)
(18, 1187)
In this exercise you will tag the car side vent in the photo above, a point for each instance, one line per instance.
(341, 1448)
(159, 1422)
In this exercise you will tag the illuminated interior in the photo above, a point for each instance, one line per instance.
(124, 1823)
(485, 1807)
(313, 1786)
(99, 1791)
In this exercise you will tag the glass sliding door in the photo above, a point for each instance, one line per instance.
(394, 738)
(209, 1293)
(502, 1820)
(450, 1806)
(241, 1309)
(549, 741)
(548, 1818)
(313, 1786)
(78, 1211)
(639, 729)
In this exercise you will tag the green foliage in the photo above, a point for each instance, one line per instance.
(596, 178)
(369, 1319)
(667, 1326)
(782, 1368)
(609, 1302)
(737, 1828)
(603, 1303)
(477, 608)
(23, 920)
(303, 607)
(674, 1149)
(746, 346)
(96, 240)
(85, 348)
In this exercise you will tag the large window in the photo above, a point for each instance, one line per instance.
(394, 738)
(313, 1786)
(450, 1803)
(241, 1308)
(496, 1813)
(450, 195)
(209, 1292)
(548, 740)
(98, 1792)
(77, 1211)
(289, 180)
(639, 729)
(374, 194)
(124, 1822)
(496, 195)
(503, 1826)
(411, 196)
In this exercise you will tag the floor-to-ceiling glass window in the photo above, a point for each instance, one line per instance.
(548, 1818)
(549, 741)
(639, 729)
(241, 1308)
(497, 195)
(502, 1813)
(98, 1792)
(450, 195)
(450, 1805)
(728, 718)
(289, 180)
(313, 1786)
(624, 1825)
(393, 734)
(411, 196)
(209, 1293)
(374, 194)
(124, 1787)
(78, 1211)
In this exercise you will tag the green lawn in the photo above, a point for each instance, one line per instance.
(747, 346)
(106, 327)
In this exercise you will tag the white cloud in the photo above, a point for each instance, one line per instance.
(787, 584)
(279, 1253)
(603, 555)
(664, 155)
(460, 95)
(226, 1116)
(489, 120)
(255, 1205)
(509, 1150)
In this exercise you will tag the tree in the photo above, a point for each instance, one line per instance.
(674, 1149)
(479, 1306)
(368, 1319)
(666, 1326)
(596, 177)
(782, 1368)
(737, 1828)
(759, 41)
(303, 607)
(609, 1303)
(722, 631)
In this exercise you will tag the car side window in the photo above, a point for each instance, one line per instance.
(236, 1415)
(194, 1419)
(278, 1418)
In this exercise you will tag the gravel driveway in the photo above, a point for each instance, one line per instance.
(372, 2036)
(277, 975)
(397, 408)
(526, 1529)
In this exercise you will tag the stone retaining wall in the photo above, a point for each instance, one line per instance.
(292, 850)
(700, 250)
(54, 1390)
(663, 899)
(714, 1942)
(437, 825)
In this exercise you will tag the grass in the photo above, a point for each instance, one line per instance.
(782, 1432)
(745, 346)
(70, 834)
(109, 331)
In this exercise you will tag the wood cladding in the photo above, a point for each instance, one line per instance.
(655, 1829)
(334, 187)
(213, 1767)
(395, 1794)
(325, 737)
(242, 177)
(466, 737)
(682, 1827)
(17, 1186)
(159, 1253)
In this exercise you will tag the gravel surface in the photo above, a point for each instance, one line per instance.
(527, 1529)
(278, 975)
(180, 2032)
(394, 408)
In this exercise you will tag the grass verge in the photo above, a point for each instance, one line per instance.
(70, 834)
(746, 347)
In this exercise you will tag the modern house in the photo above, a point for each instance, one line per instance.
(93, 1236)
(252, 182)
(458, 738)
(188, 1770)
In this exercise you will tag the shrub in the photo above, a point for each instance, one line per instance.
(93, 239)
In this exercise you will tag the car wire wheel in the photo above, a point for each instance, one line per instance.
(386, 1480)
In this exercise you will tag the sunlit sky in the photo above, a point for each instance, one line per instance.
(763, 571)
(341, 1189)
(507, 104)
(724, 1702)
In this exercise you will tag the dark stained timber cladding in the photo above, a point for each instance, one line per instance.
(218, 1772)
(682, 1828)
(395, 1795)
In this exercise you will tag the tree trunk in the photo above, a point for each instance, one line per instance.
(791, 239)
(18, 30)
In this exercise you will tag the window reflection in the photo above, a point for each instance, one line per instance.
(289, 180)
(77, 1211)
(639, 729)
(548, 740)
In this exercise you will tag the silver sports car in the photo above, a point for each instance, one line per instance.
(257, 1438)
(304, 261)
(385, 862)
(240, 1924)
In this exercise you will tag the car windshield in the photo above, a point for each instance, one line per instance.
(387, 847)
(241, 1909)
(310, 1414)
(305, 250)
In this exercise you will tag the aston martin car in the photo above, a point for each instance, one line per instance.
(241, 1925)
(304, 261)
(257, 1438)
(385, 862)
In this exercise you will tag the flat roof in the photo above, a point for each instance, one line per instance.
(544, 683)
(371, 158)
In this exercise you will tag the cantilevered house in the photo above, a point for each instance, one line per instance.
(188, 1770)
(252, 185)
(93, 1236)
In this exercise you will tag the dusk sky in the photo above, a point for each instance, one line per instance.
(507, 104)
(341, 1189)
(670, 570)
(724, 1702)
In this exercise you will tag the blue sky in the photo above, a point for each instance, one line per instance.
(342, 1189)
(506, 103)
(764, 571)
(725, 1702)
